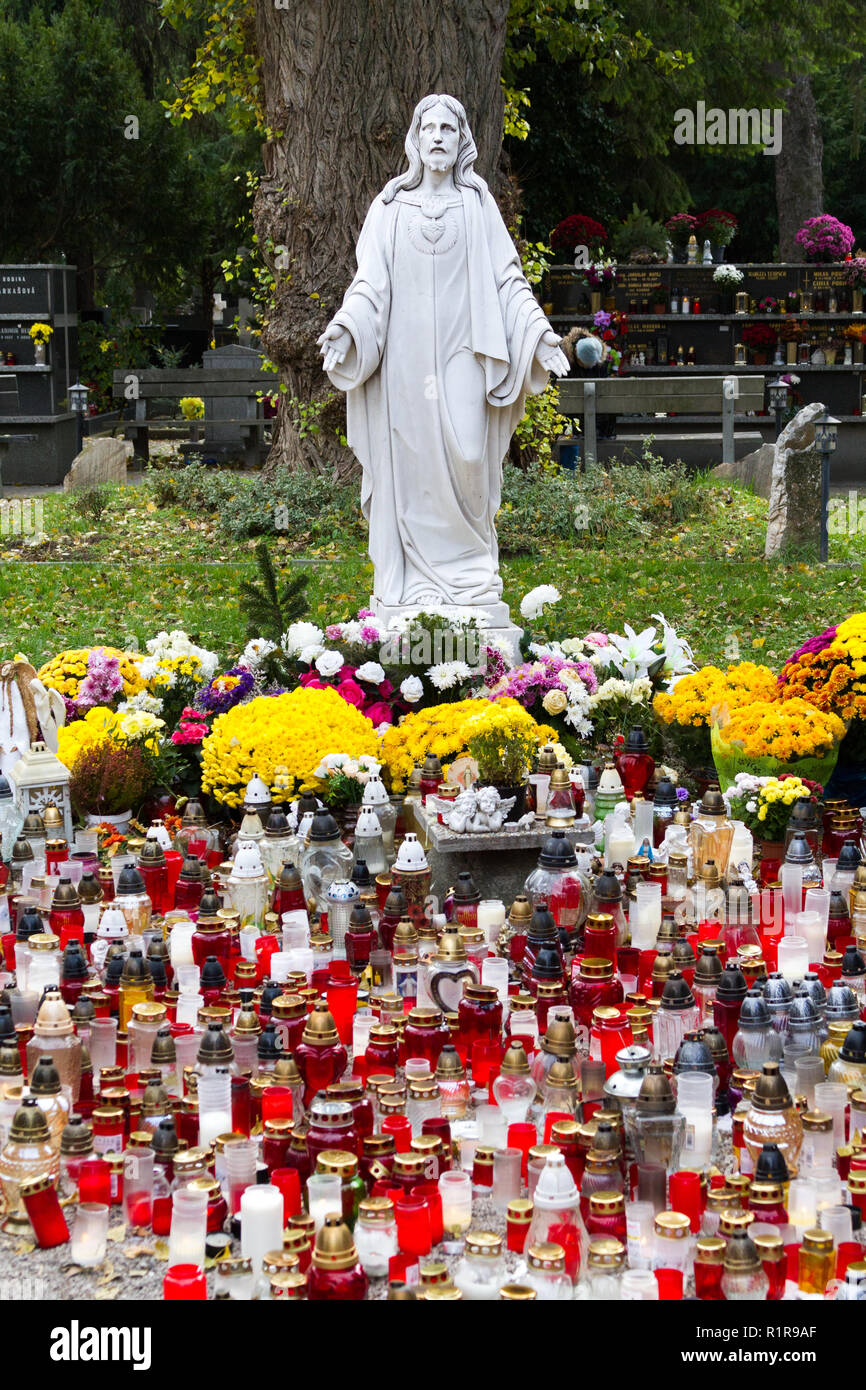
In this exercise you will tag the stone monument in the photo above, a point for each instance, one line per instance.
(437, 343)
(794, 514)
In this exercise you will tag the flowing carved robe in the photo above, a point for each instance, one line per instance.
(444, 333)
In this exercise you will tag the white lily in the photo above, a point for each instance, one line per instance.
(633, 654)
(678, 655)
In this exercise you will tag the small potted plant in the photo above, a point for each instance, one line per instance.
(768, 305)
(854, 272)
(833, 345)
(658, 299)
(679, 228)
(600, 277)
(572, 235)
(855, 334)
(825, 239)
(638, 238)
(759, 338)
(718, 228)
(727, 279)
(39, 335)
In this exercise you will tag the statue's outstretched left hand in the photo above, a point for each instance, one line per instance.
(551, 356)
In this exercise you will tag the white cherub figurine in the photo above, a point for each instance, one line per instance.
(478, 809)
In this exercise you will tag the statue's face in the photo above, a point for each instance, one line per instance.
(439, 138)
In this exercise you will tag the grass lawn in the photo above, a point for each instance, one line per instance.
(143, 568)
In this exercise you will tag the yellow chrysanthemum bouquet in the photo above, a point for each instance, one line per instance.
(769, 736)
(446, 730)
(68, 670)
(284, 739)
(686, 712)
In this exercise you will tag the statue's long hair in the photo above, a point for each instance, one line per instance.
(467, 153)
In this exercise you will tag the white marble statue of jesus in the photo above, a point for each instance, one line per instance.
(438, 341)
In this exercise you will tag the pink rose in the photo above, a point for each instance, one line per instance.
(311, 681)
(386, 690)
(351, 692)
(379, 712)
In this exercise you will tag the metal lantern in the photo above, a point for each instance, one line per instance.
(826, 430)
(40, 780)
(777, 392)
(77, 398)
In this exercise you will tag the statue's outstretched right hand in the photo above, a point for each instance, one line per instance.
(334, 343)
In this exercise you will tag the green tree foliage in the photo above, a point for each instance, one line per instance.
(94, 172)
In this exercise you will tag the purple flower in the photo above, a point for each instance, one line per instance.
(225, 691)
(103, 679)
(369, 635)
(815, 644)
(601, 319)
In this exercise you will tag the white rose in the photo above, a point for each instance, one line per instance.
(370, 671)
(412, 689)
(329, 663)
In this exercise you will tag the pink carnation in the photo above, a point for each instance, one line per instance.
(334, 632)
(597, 639)
(366, 613)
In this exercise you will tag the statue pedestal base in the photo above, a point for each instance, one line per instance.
(494, 617)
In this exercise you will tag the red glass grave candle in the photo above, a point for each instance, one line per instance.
(342, 997)
(414, 1228)
(289, 1183)
(522, 1137)
(480, 1014)
(94, 1181)
(43, 1208)
(685, 1196)
(709, 1268)
(400, 1127)
(184, 1283)
(429, 1191)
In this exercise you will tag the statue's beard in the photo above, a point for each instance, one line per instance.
(439, 163)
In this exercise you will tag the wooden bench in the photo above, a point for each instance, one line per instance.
(633, 395)
(146, 384)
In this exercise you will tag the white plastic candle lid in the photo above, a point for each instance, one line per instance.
(610, 781)
(342, 890)
(248, 861)
(375, 793)
(257, 792)
(411, 855)
(160, 834)
(556, 1186)
(368, 823)
(112, 924)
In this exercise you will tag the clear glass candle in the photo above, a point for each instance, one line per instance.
(89, 1234)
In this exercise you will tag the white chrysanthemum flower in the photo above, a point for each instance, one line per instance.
(352, 633)
(533, 603)
(150, 704)
(448, 674)
(255, 652)
(371, 672)
(412, 689)
(329, 663)
(301, 635)
(309, 655)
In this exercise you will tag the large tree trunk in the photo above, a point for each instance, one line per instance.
(341, 79)
(799, 176)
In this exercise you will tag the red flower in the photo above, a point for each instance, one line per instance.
(311, 681)
(351, 693)
(380, 712)
(386, 689)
